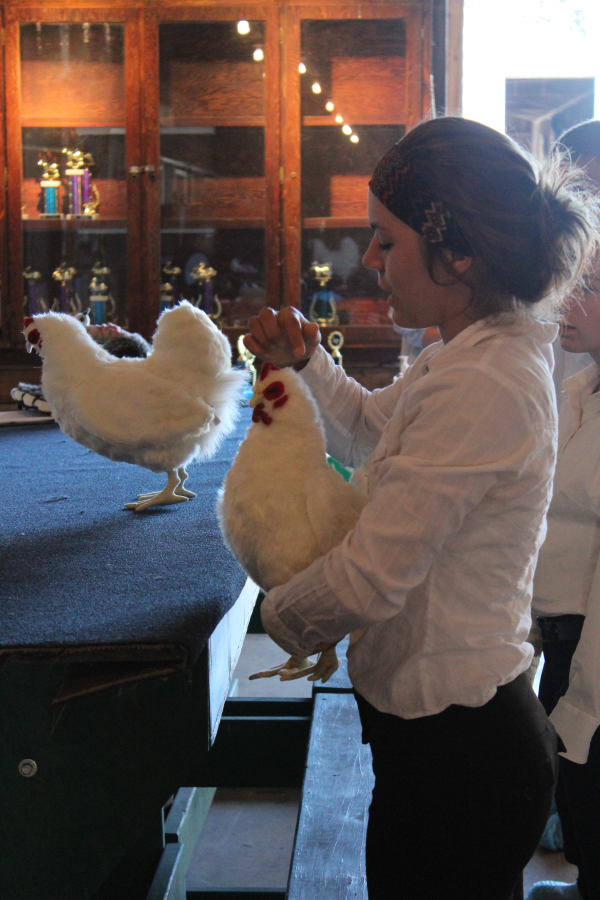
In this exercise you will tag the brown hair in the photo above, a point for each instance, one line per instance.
(582, 141)
(532, 229)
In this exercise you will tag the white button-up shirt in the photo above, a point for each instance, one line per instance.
(435, 580)
(567, 580)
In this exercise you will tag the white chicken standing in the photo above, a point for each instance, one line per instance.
(282, 506)
(160, 412)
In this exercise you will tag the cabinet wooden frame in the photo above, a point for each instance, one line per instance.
(3, 195)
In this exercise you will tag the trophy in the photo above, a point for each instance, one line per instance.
(83, 199)
(169, 295)
(50, 184)
(102, 303)
(33, 302)
(205, 299)
(322, 305)
(68, 301)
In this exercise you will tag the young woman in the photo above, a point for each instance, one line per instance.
(434, 583)
(566, 595)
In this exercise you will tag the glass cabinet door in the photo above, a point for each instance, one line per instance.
(74, 196)
(360, 87)
(213, 191)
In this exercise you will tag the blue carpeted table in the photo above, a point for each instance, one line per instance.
(85, 579)
(96, 603)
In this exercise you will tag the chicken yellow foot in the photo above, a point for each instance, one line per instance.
(323, 668)
(165, 497)
(179, 490)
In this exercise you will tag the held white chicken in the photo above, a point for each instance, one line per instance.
(282, 506)
(160, 412)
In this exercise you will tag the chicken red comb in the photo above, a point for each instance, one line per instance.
(27, 321)
(266, 368)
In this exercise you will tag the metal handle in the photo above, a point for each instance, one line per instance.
(134, 171)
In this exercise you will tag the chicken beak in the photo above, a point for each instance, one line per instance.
(255, 398)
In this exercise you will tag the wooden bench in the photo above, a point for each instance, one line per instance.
(328, 862)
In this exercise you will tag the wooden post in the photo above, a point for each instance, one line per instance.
(454, 56)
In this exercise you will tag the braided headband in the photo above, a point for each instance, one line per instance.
(408, 196)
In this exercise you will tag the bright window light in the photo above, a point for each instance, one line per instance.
(243, 26)
(532, 39)
(354, 138)
(302, 69)
(339, 119)
(316, 87)
(346, 129)
(329, 106)
(258, 54)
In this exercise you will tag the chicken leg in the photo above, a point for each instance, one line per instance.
(323, 668)
(160, 498)
(179, 490)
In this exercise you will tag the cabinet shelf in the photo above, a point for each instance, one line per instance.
(359, 121)
(337, 222)
(212, 121)
(99, 224)
(355, 336)
(175, 225)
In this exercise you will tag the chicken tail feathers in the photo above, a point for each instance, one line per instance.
(225, 398)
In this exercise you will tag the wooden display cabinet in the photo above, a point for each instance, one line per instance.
(212, 142)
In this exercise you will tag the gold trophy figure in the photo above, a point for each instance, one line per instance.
(33, 301)
(102, 303)
(169, 294)
(50, 184)
(322, 305)
(205, 300)
(83, 198)
(67, 302)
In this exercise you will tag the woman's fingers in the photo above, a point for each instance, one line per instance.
(293, 668)
(312, 335)
(291, 325)
(267, 319)
(257, 337)
(267, 673)
(283, 337)
(297, 668)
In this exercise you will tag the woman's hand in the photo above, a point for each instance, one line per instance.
(284, 338)
(312, 670)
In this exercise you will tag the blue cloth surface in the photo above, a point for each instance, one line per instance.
(78, 570)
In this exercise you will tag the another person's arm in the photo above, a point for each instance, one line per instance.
(101, 333)
(577, 715)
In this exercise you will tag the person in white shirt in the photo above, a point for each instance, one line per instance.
(566, 590)
(434, 583)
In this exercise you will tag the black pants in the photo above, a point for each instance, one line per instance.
(578, 788)
(460, 798)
